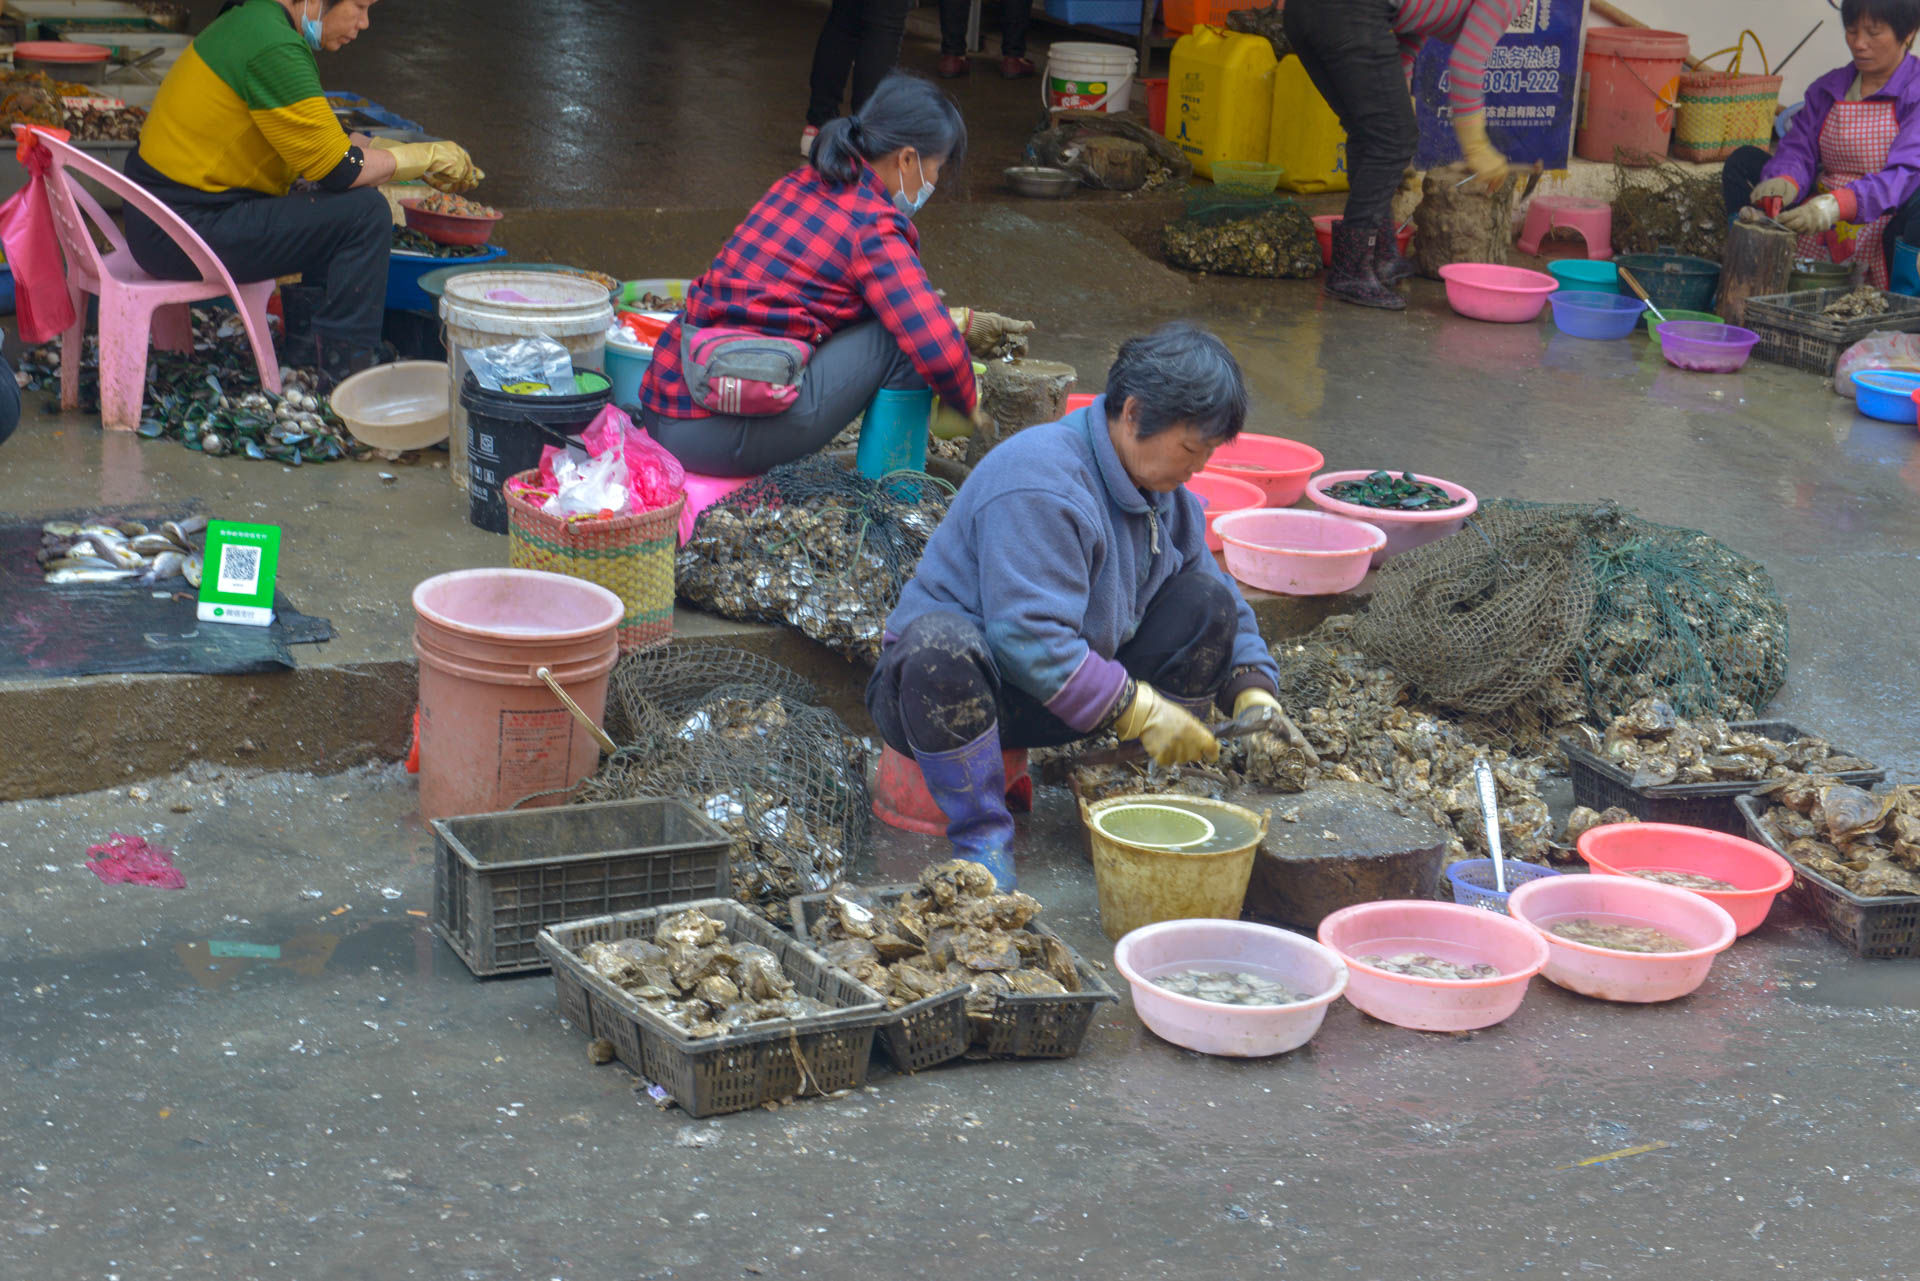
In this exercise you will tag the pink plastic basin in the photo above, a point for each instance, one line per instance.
(703, 492)
(1278, 465)
(1323, 225)
(1463, 935)
(1238, 1031)
(1222, 494)
(1506, 295)
(1404, 530)
(1297, 553)
(1625, 976)
(1618, 849)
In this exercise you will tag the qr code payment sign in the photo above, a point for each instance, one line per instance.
(239, 570)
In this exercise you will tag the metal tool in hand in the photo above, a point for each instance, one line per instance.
(1533, 179)
(1490, 816)
(1265, 721)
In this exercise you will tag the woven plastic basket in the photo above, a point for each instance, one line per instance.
(630, 556)
(1718, 112)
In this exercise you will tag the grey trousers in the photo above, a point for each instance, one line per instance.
(839, 381)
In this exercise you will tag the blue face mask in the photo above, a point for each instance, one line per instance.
(310, 28)
(911, 205)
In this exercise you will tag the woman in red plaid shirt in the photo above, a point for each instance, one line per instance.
(818, 299)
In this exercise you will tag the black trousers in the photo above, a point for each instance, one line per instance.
(840, 379)
(337, 241)
(861, 37)
(1742, 174)
(937, 687)
(1351, 54)
(1015, 15)
(9, 401)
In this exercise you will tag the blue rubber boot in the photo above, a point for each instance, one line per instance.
(970, 786)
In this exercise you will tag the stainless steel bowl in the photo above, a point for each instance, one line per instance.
(1036, 180)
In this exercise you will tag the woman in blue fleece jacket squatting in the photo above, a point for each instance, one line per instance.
(1070, 590)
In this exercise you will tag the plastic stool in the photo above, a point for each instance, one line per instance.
(1593, 219)
(893, 432)
(901, 799)
(702, 493)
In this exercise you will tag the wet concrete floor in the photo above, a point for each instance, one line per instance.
(359, 1107)
(278, 1071)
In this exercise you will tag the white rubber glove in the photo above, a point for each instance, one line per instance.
(1785, 190)
(1816, 215)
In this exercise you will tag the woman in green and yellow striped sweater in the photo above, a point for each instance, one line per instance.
(242, 144)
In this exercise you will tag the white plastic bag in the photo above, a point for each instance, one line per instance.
(1878, 350)
(594, 487)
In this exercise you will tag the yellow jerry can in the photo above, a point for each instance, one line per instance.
(1220, 97)
(1305, 139)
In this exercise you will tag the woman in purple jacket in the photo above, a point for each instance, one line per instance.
(1848, 171)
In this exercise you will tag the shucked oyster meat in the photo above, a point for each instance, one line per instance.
(954, 930)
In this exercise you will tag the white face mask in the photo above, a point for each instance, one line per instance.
(911, 205)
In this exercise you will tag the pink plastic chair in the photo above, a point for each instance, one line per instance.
(135, 307)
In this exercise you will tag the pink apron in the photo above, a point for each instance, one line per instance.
(1854, 142)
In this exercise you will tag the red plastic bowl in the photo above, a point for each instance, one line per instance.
(1280, 467)
(1323, 225)
(1221, 494)
(1080, 399)
(1297, 553)
(1618, 849)
(449, 229)
(1404, 530)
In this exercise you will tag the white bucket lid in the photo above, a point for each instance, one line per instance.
(547, 302)
(1088, 53)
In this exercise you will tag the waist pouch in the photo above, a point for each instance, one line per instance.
(740, 372)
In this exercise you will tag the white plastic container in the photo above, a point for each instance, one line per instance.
(488, 308)
(1088, 76)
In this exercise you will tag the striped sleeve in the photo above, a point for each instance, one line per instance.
(1485, 22)
(281, 88)
(896, 287)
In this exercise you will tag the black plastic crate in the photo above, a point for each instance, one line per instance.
(818, 1054)
(1599, 784)
(936, 1029)
(1875, 928)
(1793, 332)
(499, 879)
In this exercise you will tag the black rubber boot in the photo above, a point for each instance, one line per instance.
(297, 341)
(1351, 277)
(1388, 264)
(339, 361)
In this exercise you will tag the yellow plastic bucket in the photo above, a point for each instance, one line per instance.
(1146, 867)
(1306, 139)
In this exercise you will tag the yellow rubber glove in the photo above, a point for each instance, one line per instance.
(442, 164)
(1255, 700)
(987, 334)
(1481, 156)
(1171, 734)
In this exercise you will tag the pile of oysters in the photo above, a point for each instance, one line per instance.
(696, 978)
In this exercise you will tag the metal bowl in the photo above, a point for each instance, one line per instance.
(1036, 180)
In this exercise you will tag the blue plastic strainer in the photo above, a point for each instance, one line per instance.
(1472, 881)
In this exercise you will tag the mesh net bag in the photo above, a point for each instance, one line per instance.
(815, 546)
(1242, 235)
(1659, 611)
(1483, 618)
(739, 737)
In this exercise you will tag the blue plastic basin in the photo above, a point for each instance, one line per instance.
(1583, 314)
(1886, 394)
(404, 271)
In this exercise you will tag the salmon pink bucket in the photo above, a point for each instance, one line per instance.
(493, 731)
(1609, 973)
(1756, 872)
(1219, 495)
(1445, 931)
(1297, 553)
(1278, 465)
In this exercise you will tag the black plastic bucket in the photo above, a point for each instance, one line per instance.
(507, 430)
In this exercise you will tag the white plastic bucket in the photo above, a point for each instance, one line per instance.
(488, 308)
(1088, 76)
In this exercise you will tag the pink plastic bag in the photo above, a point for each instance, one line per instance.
(45, 309)
(1878, 350)
(654, 477)
(130, 860)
